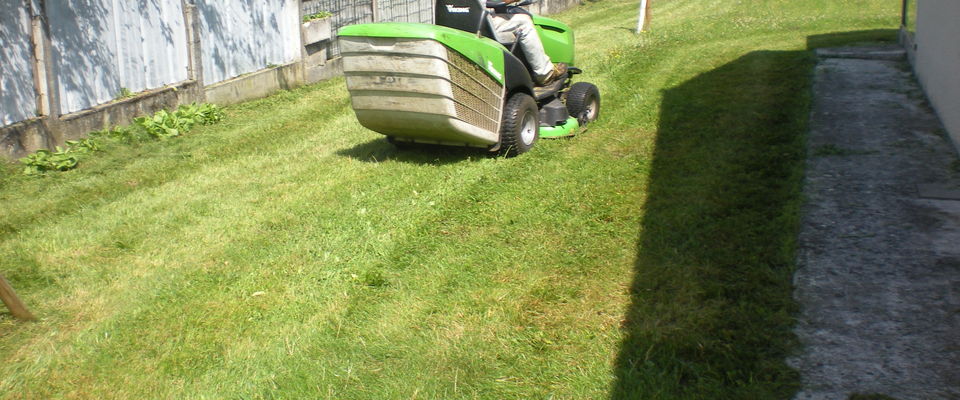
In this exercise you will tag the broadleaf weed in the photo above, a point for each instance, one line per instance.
(161, 125)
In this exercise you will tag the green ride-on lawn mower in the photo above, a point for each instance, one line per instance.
(454, 84)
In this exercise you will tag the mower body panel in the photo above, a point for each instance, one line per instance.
(413, 82)
(566, 129)
(484, 52)
(557, 39)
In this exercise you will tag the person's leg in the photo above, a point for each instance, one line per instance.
(521, 26)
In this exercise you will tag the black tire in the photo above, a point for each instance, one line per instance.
(583, 102)
(521, 125)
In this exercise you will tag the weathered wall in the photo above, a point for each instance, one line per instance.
(18, 101)
(101, 47)
(936, 59)
(27, 136)
(243, 36)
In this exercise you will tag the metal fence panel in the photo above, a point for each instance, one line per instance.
(349, 12)
(406, 11)
(18, 99)
(241, 36)
(101, 47)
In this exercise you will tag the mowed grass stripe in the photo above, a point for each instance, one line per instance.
(289, 253)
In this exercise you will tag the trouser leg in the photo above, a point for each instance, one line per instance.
(521, 26)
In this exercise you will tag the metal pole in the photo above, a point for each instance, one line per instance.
(643, 21)
(903, 13)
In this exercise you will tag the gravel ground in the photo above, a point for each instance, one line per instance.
(879, 248)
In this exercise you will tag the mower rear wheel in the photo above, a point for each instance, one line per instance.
(583, 102)
(521, 125)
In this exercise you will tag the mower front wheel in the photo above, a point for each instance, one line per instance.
(521, 125)
(583, 102)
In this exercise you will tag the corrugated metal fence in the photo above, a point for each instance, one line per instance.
(18, 98)
(238, 37)
(103, 49)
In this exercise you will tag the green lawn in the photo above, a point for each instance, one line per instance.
(289, 253)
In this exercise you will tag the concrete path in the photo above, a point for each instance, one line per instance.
(879, 249)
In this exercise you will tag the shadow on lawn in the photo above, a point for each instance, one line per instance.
(711, 311)
(380, 150)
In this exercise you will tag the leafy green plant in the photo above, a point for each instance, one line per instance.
(124, 94)
(317, 15)
(125, 134)
(204, 114)
(45, 160)
(374, 279)
(60, 160)
(83, 146)
(161, 125)
(165, 124)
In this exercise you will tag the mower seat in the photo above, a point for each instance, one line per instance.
(465, 15)
(472, 16)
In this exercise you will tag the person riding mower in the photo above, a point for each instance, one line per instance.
(458, 82)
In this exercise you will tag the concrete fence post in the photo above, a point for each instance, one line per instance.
(45, 79)
(191, 20)
(37, 40)
(303, 44)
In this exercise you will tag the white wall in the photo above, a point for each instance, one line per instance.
(937, 61)
(241, 36)
(101, 46)
(18, 99)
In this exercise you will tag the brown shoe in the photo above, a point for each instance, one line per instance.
(559, 71)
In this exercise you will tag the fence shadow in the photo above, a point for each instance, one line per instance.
(101, 52)
(18, 97)
(79, 32)
(227, 30)
(711, 311)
